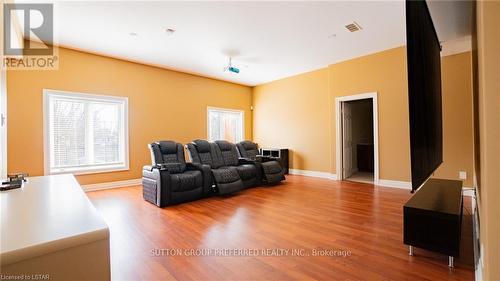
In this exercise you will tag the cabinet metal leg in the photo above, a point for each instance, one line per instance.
(411, 251)
(450, 261)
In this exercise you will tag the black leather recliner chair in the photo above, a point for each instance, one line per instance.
(170, 180)
(248, 169)
(272, 171)
(226, 171)
(226, 179)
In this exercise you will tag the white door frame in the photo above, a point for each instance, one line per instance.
(338, 131)
(3, 123)
(3, 109)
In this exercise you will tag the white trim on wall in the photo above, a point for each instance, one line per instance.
(326, 175)
(3, 122)
(315, 174)
(307, 173)
(3, 99)
(110, 185)
(396, 184)
(338, 155)
(381, 182)
(468, 191)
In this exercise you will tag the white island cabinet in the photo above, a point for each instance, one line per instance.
(50, 230)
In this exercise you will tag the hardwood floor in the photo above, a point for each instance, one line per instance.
(303, 214)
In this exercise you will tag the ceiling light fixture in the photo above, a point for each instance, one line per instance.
(133, 34)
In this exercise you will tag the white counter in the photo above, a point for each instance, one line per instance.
(49, 226)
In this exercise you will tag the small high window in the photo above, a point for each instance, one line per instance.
(225, 124)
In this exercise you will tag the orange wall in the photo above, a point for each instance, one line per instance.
(488, 59)
(295, 112)
(307, 115)
(384, 73)
(458, 149)
(163, 104)
(306, 118)
(292, 113)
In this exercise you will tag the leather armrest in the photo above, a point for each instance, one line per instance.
(268, 158)
(207, 175)
(242, 161)
(162, 179)
(256, 163)
(159, 167)
(197, 166)
(170, 167)
(152, 172)
(147, 168)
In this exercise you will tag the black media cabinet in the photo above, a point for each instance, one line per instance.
(433, 218)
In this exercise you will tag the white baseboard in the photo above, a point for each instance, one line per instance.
(396, 184)
(316, 174)
(478, 272)
(109, 185)
(381, 182)
(478, 249)
(326, 175)
(468, 191)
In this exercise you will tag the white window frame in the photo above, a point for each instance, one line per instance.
(84, 169)
(230, 110)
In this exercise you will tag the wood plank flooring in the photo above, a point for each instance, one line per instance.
(362, 223)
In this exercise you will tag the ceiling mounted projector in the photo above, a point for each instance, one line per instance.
(231, 68)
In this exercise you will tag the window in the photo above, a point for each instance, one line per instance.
(85, 133)
(225, 124)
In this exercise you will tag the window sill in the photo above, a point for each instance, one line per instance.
(89, 170)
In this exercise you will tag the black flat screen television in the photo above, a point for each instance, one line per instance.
(424, 92)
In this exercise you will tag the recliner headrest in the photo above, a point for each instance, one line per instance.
(202, 145)
(248, 145)
(168, 147)
(224, 145)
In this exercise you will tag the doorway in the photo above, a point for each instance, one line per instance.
(357, 138)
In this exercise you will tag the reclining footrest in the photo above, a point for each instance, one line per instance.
(227, 180)
(228, 188)
(272, 172)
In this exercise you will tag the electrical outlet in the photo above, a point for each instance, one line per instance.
(462, 175)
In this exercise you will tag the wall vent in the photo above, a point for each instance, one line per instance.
(353, 27)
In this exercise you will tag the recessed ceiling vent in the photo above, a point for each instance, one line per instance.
(353, 27)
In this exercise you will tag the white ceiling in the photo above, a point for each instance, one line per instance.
(267, 40)
(452, 19)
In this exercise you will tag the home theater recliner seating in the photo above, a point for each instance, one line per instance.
(248, 170)
(170, 180)
(215, 167)
(225, 173)
(272, 170)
